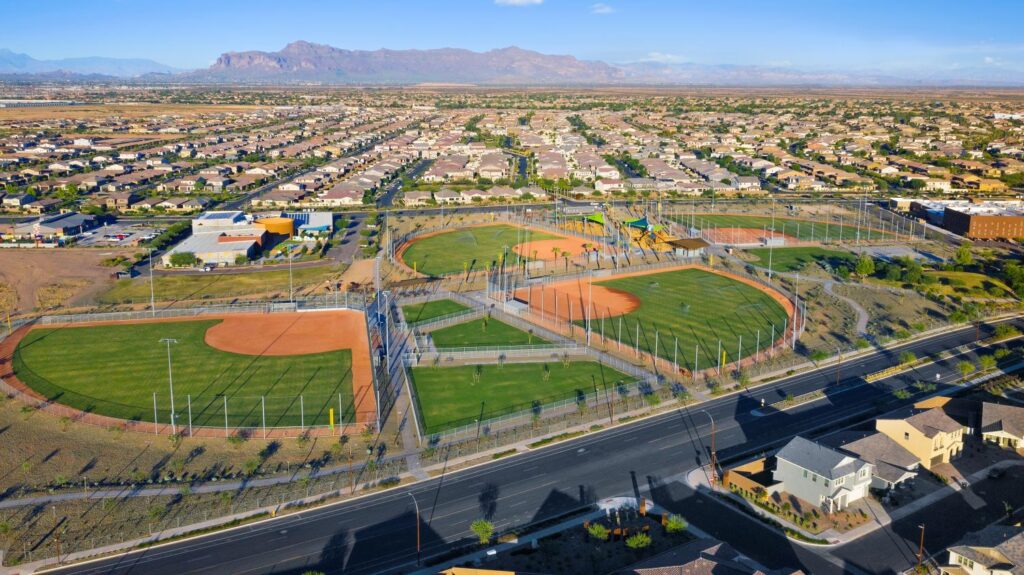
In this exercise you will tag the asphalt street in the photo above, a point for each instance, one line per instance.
(377, 533)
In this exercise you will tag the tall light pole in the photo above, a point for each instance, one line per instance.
(291, 285)
(417, 506)
(170, 380)
(152, 292)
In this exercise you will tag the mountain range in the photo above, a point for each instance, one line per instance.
(15, 63)
(308, 63)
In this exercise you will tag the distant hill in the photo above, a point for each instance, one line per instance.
(304, 61)
(308, 63)
(20, 64)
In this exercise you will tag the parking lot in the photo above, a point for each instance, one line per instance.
(119, 235)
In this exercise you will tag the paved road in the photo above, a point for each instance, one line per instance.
(377, 533)
(387, 199)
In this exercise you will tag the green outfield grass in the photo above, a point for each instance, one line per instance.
(115, 369)
(482, 332)
(793, 259)
(451, 397)
(808, 230)
(697, 307)
(472, 248)
(421, 312)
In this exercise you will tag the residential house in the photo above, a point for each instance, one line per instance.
(820, 475)
(1003, 425)
(121, 201)
(995, 550)
(893, 465)
(697, 557)
(17, 201)
(932, 436)
(417, 198)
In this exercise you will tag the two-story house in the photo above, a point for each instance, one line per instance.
(820, 475)
(932, 436)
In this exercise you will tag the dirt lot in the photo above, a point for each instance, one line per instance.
(47, 279)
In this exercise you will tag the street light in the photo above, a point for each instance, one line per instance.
(714, 458)
(170, 380)
(417, 506)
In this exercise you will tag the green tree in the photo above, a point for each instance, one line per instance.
(483, 529)
(598, 531)
(638, 541)
(907, 357)
(963, 255)
(965, 368)
(865, 266)
(180, 259)
(986, 362)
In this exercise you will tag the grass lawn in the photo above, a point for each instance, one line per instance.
(450, 397)
(473, 248)
(793, 259)
(115, 369)
(426, 311)
(213, 285)
(802, 229)
(699, 308)
(482, 332)
(969, 284)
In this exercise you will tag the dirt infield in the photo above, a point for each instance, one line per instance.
(568, 300)
(744, 236)
(544, 249)
(276, 334)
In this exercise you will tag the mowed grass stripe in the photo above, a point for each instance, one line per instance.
(810, 230)
(792, 259)
(451, 397)
(421, 312)
(697, 307)
(475, 248)
(482, 332)
(115, 369)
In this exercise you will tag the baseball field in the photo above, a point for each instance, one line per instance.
(296, 366)
(477, 248)
(451, 397)
(728, 228)
(652, 311)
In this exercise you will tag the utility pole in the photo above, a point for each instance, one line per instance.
(920, 549)
(170, 381)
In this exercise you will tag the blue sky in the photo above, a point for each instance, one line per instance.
(858, 35)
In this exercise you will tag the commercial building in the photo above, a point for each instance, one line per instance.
(979, 222)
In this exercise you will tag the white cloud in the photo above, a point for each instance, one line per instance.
(663, 57)
(518, 2)
(990, 61)
(601, 8)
